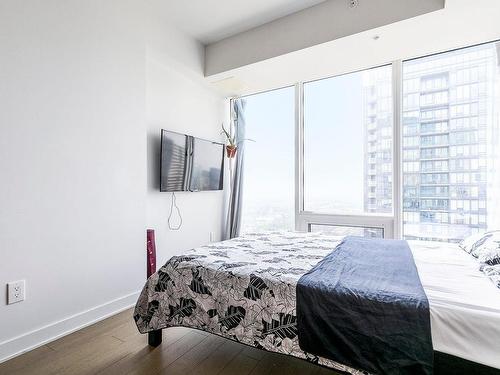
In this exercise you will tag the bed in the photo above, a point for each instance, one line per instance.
(244, 289)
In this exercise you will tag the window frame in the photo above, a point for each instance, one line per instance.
(391, 224)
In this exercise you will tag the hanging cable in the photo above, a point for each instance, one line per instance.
(173, 204)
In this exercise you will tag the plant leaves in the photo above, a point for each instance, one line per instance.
(233, 316)
(255, 288)
(212, 312)
(312, 358)
(197, 285)
(163, 279)
(286, 326)
(230, 139)
(185, 308)
(175, 261)
(152, 308)
(236, 264)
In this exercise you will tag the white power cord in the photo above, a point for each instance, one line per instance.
(172, 205)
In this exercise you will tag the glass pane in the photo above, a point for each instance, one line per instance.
(348, 143)
(268, 187)
(451, 134)
(338, 230)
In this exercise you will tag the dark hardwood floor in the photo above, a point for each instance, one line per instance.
(114, 346)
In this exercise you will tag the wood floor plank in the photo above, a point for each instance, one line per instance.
(106, 357)
(304, 368)
(138, 354)
(253, 352)
(20, 364)
(324, 371)
(218, 359)
(268, 362)
(97, 329)
(128, 358)
(125, 331)
(190, 360)
(241, 365)
(61, 360)
(162, 356)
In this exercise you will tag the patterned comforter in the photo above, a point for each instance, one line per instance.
(242, 289)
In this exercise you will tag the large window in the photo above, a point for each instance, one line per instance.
(451, 189)
(268, 183)
(429, 171)
(348, 143)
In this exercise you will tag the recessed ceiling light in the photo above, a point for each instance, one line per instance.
(353, 3)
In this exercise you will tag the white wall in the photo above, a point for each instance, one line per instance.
(76, 158)
(178, 99)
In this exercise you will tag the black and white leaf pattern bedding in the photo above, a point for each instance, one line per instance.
(242, 289)
(493, 272)
(486, 248)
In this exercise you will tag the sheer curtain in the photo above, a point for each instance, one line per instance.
(236, 166)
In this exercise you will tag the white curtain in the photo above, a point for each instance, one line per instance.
(233, 221)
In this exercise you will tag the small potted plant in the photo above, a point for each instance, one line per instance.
(231, 143)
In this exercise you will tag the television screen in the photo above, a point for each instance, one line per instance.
(189, 163)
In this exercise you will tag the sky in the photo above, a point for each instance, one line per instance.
(333, 132)
(269, 160)
(332, 122)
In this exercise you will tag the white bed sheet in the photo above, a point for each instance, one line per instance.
(464, 303)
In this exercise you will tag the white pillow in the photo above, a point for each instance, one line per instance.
(479, 243)
(468, 243)
(493, 272)
(496, 280)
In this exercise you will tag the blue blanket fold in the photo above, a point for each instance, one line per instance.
(363, 305)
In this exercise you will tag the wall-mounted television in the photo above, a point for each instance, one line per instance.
(189, 163)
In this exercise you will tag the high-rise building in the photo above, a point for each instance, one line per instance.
(449, 143)
(377, 113)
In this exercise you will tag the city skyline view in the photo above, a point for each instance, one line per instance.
(449, 148)
(450, 144)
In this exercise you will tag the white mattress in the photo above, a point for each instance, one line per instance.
(464, 303)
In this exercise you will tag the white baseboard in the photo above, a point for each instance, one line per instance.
(41, 336)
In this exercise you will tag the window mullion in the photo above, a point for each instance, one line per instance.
(299, 156)
(397, 198)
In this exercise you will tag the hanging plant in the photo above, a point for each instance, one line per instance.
(231, 143)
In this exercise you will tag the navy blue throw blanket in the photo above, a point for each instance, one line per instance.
(363, 306)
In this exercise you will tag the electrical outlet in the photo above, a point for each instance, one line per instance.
(16, 291)
(211, 236)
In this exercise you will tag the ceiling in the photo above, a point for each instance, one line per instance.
(321, 23)
(461, 23)
(212, 20)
